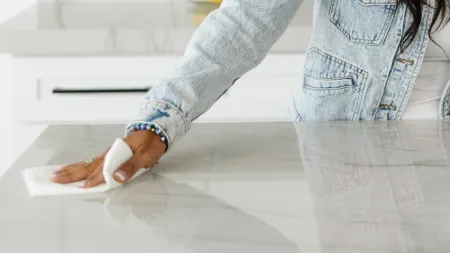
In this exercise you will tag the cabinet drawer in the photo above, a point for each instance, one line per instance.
(99, 90)
(251, 99)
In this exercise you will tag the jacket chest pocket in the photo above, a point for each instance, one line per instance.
(363, 21)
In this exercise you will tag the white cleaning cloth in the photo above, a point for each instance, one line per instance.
(38, 179)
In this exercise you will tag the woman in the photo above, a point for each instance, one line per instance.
(363, 63)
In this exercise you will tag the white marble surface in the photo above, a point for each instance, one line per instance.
(117, 27)
(312, 187)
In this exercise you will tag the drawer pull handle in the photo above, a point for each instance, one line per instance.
(99, 91)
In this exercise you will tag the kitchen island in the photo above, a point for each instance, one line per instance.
(246, 187)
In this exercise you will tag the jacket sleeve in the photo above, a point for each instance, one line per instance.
(232, 40)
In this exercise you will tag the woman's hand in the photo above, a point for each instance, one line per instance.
(147, 148)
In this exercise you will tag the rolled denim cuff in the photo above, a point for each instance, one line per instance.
(166, 116)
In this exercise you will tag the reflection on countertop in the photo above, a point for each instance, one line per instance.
(74, 27)
(329, 187)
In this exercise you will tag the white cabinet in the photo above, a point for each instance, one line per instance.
(50, 90)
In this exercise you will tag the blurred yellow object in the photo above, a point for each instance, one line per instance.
(201, 10)
(199, 19)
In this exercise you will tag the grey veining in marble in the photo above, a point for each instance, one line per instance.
(121, 27)
(330, 187)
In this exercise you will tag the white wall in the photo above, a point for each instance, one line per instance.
(9, 8)
(5, 112)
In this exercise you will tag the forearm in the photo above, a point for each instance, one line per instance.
(231, 41)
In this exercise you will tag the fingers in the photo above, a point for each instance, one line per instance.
(96, 178)
(75, 172)
(80, 171)
(71, 173)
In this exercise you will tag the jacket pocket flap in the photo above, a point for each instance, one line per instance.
(327, 84)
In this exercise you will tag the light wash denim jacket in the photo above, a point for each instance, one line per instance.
(353, 71)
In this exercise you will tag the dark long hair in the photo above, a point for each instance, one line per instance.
(440, 18)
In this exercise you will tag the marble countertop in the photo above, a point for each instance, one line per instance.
(311, 187)
(121, 27)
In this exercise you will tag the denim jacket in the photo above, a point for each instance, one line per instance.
(354, 67)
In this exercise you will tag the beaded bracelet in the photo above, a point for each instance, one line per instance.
(148, 126)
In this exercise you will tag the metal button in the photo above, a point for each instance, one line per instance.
(409, 62)
(387, 107)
